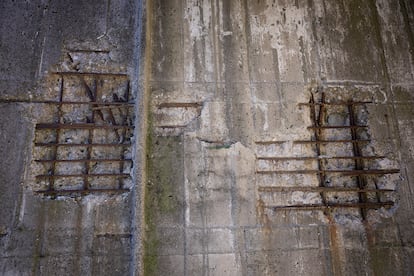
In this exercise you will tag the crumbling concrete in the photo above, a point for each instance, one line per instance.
(94, 47)
(226, 124)
(233, 159)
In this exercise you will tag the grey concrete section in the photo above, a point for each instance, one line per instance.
(21, 44)
(65, 235)
(15, 137)
(223, 80)
(228, 85)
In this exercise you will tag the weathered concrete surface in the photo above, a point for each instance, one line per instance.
(222, 80)
(92, 235)
(224, 85)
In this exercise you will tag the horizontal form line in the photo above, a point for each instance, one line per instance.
(88, 51)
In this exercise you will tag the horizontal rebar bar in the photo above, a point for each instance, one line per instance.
(335, 127)
(110, 106)
(84, 175)
(365, 205)
(90, 74)
(81, 126)
(166, 126)
(269, 142)
(94, 103)
(361, 172)
(331, 141)
(177, 105)
(81, 145)
(82, 160)
(317, 157)
(336, 103)
(82, 191)
(321, 189)
(104, 104)
(344, 172)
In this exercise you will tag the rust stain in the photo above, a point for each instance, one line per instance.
(335, 247)
(263, 217)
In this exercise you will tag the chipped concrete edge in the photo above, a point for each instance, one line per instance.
(140, 85)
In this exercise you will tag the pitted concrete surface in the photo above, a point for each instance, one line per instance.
(222, 92)
(63, 235)
(227, 80)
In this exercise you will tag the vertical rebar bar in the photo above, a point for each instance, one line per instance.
(358, 163)
(317, 121)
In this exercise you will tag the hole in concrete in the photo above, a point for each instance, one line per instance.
(85, 146)
(342, 171)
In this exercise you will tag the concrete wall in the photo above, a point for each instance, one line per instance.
(64, 235)
(217, 96)
(225, 81)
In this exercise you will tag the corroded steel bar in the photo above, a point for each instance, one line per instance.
(83, 160)
(121, 104)
(82, 191)
(317, 157)
(362, 172)
(178, 105)
(331, 141)
(166, 126)
(358, 163)
(290, 172)
(269, 142)
(118, 104)
(365, 205)
(317, 121)
(335, 127)
(287, 158)
(91, 74)
(80, 145)
(84, 174)
(344, 172)
(321, 189)
(335, 103)
(80, 126)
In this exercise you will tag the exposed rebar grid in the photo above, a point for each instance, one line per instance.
(358, 171)
(107, 128)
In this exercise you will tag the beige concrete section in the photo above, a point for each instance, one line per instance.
(349, 41)
(233, 130)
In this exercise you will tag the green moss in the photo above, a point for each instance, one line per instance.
(150, 239)
(164, 170)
